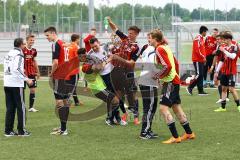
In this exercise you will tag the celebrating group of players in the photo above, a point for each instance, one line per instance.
(110, 72)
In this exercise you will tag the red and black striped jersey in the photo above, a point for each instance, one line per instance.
(230, 65)
(29, 61)
(127, 50)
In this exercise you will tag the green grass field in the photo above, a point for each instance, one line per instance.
(186, 53)
(217, 134)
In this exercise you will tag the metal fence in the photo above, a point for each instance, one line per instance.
(75, 26)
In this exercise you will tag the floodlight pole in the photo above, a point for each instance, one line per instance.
(91, 13)
(5, 15)
(133, 14)
(57, 16)
(19, 19)
(214, 12)
(172, 17)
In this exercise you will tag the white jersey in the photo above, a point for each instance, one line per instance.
(14, 69)
(148, 68)
(102, 56)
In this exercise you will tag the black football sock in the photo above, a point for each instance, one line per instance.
(63, 116)
(121, 105)
(75, 98)
(223, 104)
(237, 102)
(136, 109)
(173, 129)
(31, 100)
(220, 91)
(186, 127)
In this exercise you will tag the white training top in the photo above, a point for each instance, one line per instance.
(14, 69)
(102, 56)
(148, 68)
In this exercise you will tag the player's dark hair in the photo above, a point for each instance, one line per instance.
(74, 37)
(30, 36)
(227, 35)
(215, 29)
(203, 29)
(81, 51)
(93, 40)
(134, 28)
(51, 29)
(18, 42)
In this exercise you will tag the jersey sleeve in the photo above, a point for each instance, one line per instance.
(135, 53)
(56, 51)
(35, 53)
(162, 59)
(121, 35)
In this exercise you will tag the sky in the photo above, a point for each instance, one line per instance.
(189, 4)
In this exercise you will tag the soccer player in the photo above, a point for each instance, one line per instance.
(228, 67)
(92, 67)
(198, 58)
(31, 69)
(14, 78)
(210, 46)
(149, 89)
(170, 98)
(72, 50)
(63, 85)
(216, 60)
(128, 54)
(86, 40)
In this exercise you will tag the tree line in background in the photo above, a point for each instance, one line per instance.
(47, 13)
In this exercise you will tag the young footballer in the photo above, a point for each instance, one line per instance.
(170, 98)
(63, 82)
(31, 69)
(124, 61)
(228, 67)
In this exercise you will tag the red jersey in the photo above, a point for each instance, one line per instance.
(58, 53)
(230, 65)
(127, 50)
(29, 61)
(198, 50)
(71, 53)
(210, 45)
(163, 60)
(87, 43)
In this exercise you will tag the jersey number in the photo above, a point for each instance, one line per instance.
(66, 54)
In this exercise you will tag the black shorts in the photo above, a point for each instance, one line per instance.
(170, 94)
(34, 85)
(64, 88)
(228, 80)
(219, 76)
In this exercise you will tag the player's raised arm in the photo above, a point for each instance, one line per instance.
(112, 25)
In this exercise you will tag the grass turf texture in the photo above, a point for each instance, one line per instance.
(217, 134)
